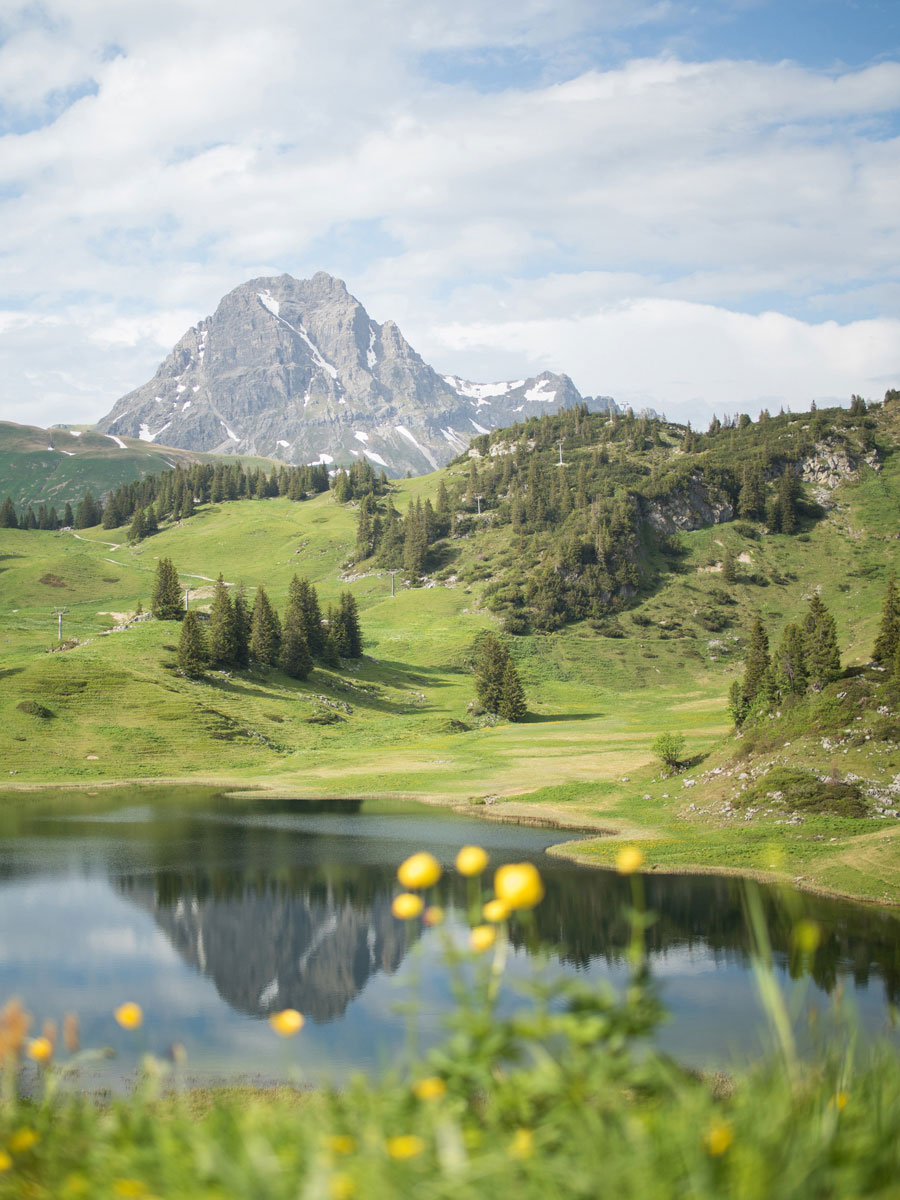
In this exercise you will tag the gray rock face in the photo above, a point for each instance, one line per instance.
(297, 370)
(693, 507)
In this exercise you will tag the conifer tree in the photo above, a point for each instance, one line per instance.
(294, 659)
(490, 669)
(151, 525)
(729, 571)
(789, 663)
(166, 603)
(823, 658)
(8, 518)
(757, 662)
(344, 625)
(265, 632)
(88, 513)
(68, 519)
(512, 694)
(751, 500)
(302, 595)
(414, 542)
(222, 639)
(137, 528)
(330, 655)
(889, 630)
(30, 520)
(192, 646)
(788, 492)
(241, 612)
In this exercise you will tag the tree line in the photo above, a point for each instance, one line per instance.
(807, 658)
(237, 632)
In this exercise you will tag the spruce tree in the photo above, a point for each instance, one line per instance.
(756, 663)
(294, 659)
(241, 628)
(512, 694)
(88, 513)
(789, 662)
(192, 656)
(265, 631)
(138, 528)
(302, 595)
(823, 658)
(166, 602)
(68, 519)
(330, 655)
(490, 670)
(151, 525)
(344, 625)
(222, 639)
(788, 492)
(8, 518)
(889, 630)
(729, 571)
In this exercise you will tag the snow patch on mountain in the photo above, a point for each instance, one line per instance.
(404, 432)
(371, 356)
(481, 391)
(543, 392)
(112, 437)
(360, 437)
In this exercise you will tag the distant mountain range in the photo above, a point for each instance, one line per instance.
(298, 370)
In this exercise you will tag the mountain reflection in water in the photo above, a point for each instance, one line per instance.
(215, 912)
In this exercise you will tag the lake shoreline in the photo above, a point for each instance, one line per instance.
(542, 818)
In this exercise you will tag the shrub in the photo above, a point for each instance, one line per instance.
(668, 748)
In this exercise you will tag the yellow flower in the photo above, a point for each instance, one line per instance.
(341, 1187)
(23, 1139)
(341, 1143)
(482, 937)
(807, 936)
(133, 1189)
(522, 1145)
(471, 860)
(430, 1088)
(419, 871)
(629, 860)
(519, 884)
(129, 1015)
(495, 910)
(287, 1022)
(405, 1145)
(40, 1049)
(5, 1161)
(433, 915)
(406, 906)
(718, 1138)
(839, 1100)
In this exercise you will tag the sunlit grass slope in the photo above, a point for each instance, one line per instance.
(120, 710)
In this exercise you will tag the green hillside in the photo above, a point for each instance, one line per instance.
(661, 644)
(55, 466)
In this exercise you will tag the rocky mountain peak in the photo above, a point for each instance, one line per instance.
(296, 369)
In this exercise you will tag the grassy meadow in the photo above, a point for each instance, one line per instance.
(121, 711)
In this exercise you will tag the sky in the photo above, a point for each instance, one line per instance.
(691, 206)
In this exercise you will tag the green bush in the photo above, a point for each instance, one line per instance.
(34, 709)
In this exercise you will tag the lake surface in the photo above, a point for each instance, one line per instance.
(213, 913)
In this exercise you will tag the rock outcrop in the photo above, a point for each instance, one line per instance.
(297, 370)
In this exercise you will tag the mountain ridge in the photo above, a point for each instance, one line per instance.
(298, 370)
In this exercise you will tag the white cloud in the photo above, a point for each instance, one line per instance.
(210, 148)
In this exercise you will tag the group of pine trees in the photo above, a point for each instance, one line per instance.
(886, 651)
(807, 658)
(44, 518)
(237, 633)
(497, 683)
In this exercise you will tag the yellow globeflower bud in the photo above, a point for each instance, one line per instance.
(419, 871)
(471, 860)
(522, 1144)
(406, 906)
(23, 1139)
(718, 1138)
(40, 1049)
(287, 1022)
(807, 936)
(405, 1145)
(629, 860)
(430, 1088)
(519, 884)
(5, 1161)
(495, 910)
(129, 1015)
(482, 937)
(341, 1187)
(433, 915)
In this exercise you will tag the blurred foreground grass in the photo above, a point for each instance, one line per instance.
(563, 1097)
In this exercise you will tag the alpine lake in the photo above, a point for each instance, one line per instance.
(213, 912)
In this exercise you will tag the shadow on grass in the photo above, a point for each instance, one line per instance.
(540, 719)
